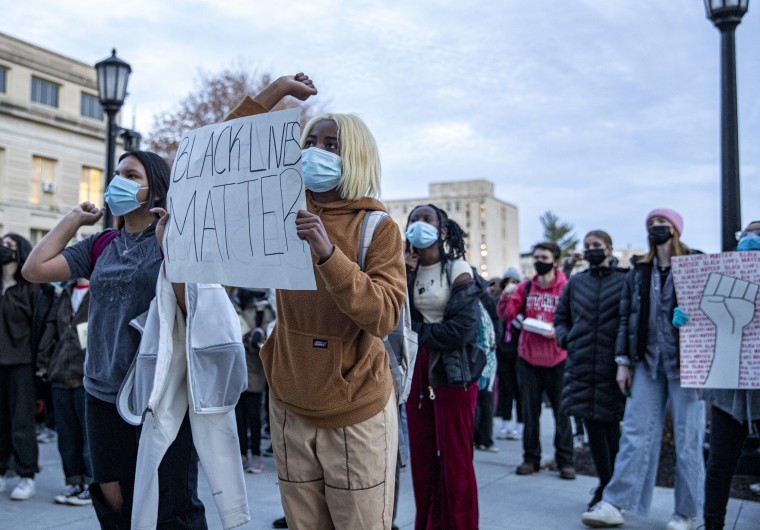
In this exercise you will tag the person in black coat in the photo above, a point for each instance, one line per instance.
(586, 324)
(61, 364)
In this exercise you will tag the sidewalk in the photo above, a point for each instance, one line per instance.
(507, 501)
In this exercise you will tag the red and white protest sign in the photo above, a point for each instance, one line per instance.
(720, 344)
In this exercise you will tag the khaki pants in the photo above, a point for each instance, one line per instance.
(336, 478)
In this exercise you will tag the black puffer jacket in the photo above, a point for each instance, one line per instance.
(634, 312)
(586, 324)
(459, 327)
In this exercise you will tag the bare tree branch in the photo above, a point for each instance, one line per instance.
(216, 94)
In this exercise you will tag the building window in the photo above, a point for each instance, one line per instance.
(91, 185)
(43, 181)
(44, 92)
(35, 234)
(91, 107)
(3, 77)
(3, 185)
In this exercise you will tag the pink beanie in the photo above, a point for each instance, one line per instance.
(671, 215)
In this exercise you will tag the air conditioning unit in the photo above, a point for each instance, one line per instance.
(48, 187)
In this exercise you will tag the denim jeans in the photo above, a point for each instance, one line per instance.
(636, 464)
(72, 434)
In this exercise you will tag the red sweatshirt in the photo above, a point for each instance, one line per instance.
(542, 301)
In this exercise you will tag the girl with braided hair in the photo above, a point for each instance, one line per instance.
(441, 407)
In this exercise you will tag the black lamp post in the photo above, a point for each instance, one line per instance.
(726, 15)
(113, 74)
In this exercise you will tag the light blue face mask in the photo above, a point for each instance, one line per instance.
(322, 170)
(421, 234)
(121, 195)
(749, 242)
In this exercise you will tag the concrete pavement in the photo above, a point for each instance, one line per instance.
(507, 501)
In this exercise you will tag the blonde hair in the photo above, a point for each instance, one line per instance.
(677, 248)
(358, 153)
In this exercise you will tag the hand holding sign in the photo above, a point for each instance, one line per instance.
(163, 218)
(309, 228)
(729, 303)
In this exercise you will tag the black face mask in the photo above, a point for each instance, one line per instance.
(543, 268)
(659, 234)
(595, 256)
(7, 255)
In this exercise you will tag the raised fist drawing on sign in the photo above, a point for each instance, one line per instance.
(729, 303)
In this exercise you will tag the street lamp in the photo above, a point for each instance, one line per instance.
(726, 15)
(113, 74)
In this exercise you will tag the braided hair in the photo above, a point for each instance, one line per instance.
(452, 247)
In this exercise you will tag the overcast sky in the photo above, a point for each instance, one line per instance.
(597, 110)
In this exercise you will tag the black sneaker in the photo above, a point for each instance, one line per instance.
(71, 492)
(280, 523)
(83, 499)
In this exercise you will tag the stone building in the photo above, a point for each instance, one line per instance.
(490, 223)
(52, 138)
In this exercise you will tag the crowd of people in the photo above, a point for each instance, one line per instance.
(600, 346)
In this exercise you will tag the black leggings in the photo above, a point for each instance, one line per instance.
(509, 393)
(248, 416)
(603, 441)
(726, 440)
(113, 454)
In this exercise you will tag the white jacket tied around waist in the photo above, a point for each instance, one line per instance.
(195, 363)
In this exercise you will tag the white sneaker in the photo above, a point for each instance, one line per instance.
(516, 433)
(24, 490)
(503, 433)
(679, 522)
(603, 515)
(755, 488)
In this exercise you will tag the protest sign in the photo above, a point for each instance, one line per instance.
(236, 188)
(720, 344)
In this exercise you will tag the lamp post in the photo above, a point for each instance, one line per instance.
(113, 74)
(727, 15)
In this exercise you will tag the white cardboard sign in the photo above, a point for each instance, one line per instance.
(720, 345)
(236, 188)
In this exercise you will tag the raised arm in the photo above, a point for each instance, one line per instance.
(298, 86)
(45, 263)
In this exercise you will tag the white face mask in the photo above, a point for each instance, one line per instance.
(322, 170)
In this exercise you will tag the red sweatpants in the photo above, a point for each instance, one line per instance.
(441, 434)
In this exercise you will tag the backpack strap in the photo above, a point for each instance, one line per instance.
(100, 244)
(370, 223)
(525, 298)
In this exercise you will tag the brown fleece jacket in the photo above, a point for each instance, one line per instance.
(325, 360)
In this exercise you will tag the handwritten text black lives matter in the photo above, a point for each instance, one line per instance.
(236, 188)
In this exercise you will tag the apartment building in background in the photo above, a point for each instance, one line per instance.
(52, 138)
(490, 223)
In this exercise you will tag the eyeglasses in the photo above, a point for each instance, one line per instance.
(745, 233)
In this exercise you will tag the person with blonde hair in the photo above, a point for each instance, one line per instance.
(332, 405)
(648, 370)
